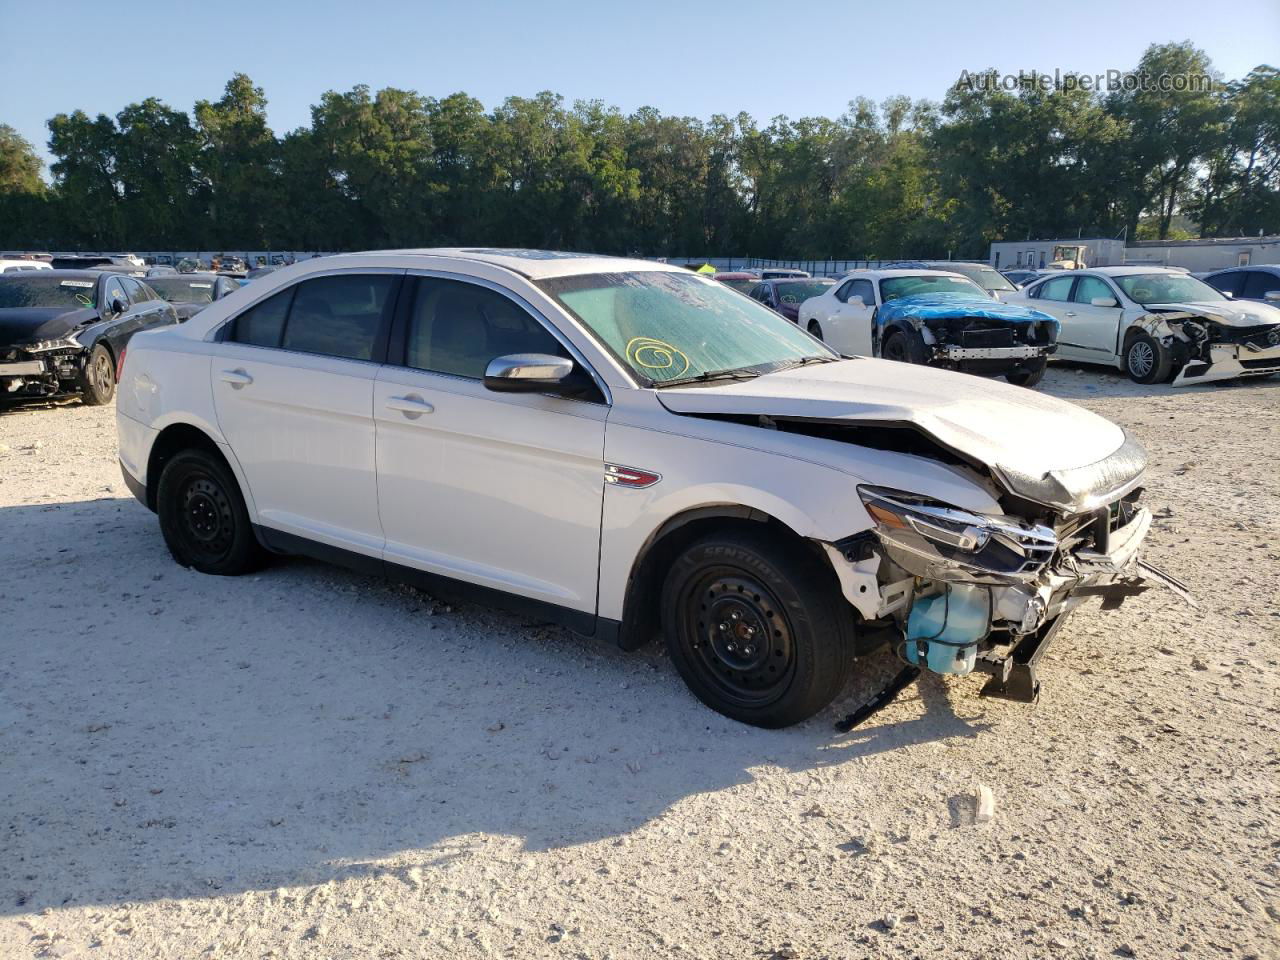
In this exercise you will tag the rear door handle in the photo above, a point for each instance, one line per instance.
(237, 378)
(411, 405)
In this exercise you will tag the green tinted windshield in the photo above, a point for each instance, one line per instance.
(25, 290)
(1147, 288)
(891, 288)
(182, 289)
(672, 326)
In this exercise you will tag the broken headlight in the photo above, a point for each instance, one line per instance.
(44, 346)
(934, 540)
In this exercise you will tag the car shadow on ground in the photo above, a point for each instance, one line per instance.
(12, 405)
(1081, 381)
(169, 734)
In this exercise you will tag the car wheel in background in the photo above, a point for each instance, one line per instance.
(898, 346)
(757, 628)
(815, 329)
(1028, 375)
(97, 379)
(1146, 360)
(203, 516)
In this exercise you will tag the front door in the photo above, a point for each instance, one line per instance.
(293, 389)
(1054, 298)
(497, 489)
(1095, 329)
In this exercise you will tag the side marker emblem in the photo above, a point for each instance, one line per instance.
(629, 476)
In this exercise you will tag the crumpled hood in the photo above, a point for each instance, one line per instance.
(1229, 313)
(943, 306)
(1018, 432)
(20, 325)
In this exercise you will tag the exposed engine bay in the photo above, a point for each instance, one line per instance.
(40, 369)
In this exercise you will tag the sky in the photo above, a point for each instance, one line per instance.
(808, 58)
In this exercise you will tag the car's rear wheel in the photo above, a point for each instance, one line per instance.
(1028, 375)
(1146, 360)
(98, 378)
(898, 346)
(757, 628)
(203, 516)
(815, 329)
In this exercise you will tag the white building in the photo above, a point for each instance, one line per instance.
(1196, 255)
(1036, 254)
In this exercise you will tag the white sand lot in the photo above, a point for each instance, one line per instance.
(313, 763)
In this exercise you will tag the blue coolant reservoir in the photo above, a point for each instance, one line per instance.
(944, 629)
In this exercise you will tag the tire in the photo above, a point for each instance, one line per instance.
(1146, 360)
(729, 589)
(97, 381)
(815, 330)
(1030, 375)
(203, 516)
(898, 346)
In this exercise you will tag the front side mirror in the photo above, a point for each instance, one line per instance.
(527, 373)
(1272, 295)
(1103, 302)
(118, 306)
(856, 301)
(1228, 294)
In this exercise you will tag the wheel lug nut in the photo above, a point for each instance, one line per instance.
(723, 627)
(748, 651)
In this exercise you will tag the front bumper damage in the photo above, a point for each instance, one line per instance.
(1228, 361)
(1206, 350)
(29, 373)
(997, 609)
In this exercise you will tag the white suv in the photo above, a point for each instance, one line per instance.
(631, 449)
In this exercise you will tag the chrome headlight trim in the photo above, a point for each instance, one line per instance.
(44, 346)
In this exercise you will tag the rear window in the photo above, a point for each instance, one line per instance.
(28, 290)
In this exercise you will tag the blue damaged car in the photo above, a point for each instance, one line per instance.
(932, 317)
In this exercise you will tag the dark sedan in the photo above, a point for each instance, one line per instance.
(65, 331)
(786, 294)
(192, 292)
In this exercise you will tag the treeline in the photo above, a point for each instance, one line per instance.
(898, 179)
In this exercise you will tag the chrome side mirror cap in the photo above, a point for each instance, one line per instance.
(1271, 295)
(527, 373)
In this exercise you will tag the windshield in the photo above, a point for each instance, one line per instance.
(676, 326)
(27, 290)
(182, 289)
(892, 288)
(798, 293)
(1147, 288)
(742, 286)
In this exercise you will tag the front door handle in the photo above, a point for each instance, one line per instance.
(237, 378)
(1070, 313)
(411, 405)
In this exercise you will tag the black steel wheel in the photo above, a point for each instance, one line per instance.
(203, 516)
(98, 377)
(757, 627)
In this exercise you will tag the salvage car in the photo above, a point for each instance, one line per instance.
(630, 449)
(64, 331)
(786, 295)
(932, 317)
(1260, 283)
(1157, 324)
(996, 284)
(192, 292)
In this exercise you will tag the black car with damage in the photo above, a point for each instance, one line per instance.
(65, 331)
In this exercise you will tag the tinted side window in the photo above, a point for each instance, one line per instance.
(1090, 287)
(134, 289)
(262, 324)
(457, 328)
(845, 289)
(1257, 283)
(1059, 288)
(863, 289)
(116, 290)
(1228, 282)
(339, 316)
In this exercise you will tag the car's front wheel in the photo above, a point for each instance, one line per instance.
(1028, 375)
(203, 517)
(757, 628)
(1146, 360)
(898, 346)
(98, 378)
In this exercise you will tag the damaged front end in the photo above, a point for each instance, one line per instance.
(960, 592)
(1204, 348)
(40, 369)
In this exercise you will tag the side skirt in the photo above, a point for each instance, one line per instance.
(578, 621)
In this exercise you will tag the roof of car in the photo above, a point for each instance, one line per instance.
(61, 274)
(198, 277)
(900, 272)
(1269, 267)
(734, 275)
(1126, 271)
(535, 264)
(800, 279)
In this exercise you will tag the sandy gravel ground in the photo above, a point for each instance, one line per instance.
(312, 763)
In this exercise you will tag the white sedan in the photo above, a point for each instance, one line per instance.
(1157, 324)
(631, 449)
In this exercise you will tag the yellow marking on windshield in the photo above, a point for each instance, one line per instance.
(657, 355)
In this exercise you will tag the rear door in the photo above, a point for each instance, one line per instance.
(293, 387)
(503, 490)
